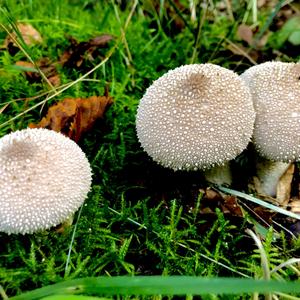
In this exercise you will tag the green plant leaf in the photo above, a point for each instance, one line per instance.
(73, 297)
(159, 285)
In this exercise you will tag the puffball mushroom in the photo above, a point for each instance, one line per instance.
(44, 177)
(275, 89)
(196, 117)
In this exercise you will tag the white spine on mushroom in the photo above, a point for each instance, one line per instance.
(275, 88)
(44, 177)
(195, 117)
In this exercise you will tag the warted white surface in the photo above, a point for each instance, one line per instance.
(44, 177)
(275, 88)
(195, 117)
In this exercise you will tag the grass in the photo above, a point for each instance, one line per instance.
(139, 218)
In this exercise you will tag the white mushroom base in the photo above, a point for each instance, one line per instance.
(269, 174)
(219, 175)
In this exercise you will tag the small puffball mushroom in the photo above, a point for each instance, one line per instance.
(275, 88)
(195, 117)
(44, 178)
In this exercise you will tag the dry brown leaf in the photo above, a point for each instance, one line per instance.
(231, 206)
(77, 52)
(228, 204)
(46, 66)
(264, 213)
(74, 116)
(284, 185)
(54, 80)
(212, 195)
(245, 33)
(29, 34)
(295, 206)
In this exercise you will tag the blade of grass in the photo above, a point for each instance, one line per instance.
(259, 202)
(160, 285)
(123, 30)
(3, 108)
(180, 14)
(287, 297)
(285, 264)
(72, 241)
(263, 257)
(197, 39)
(73, 297)
(267, 24)
(2, 293)
(44, 93)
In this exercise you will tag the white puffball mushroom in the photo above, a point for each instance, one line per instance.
(275, 89)
(44, 178)
(195, 117)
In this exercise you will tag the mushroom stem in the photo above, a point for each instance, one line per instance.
(219, 174)
(269, 172)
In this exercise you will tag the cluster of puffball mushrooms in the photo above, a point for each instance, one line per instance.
(197, 116)
(201, 116)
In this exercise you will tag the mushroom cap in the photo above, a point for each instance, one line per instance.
(275, 88)
(195, 117)
(44, 177)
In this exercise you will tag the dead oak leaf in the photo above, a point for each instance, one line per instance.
(74, 116)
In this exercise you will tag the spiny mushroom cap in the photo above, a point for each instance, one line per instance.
(44, 177)
(275, 88)
(195, 117)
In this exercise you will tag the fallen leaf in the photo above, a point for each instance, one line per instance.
(45, 66)
(54, 80)
(212, 199)
(77, 52)
(264, 213)
(211, 195)
(284, 185)
(29, 34)
(295, 206)
(231, 206)
(245, 33)
(74, 116)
